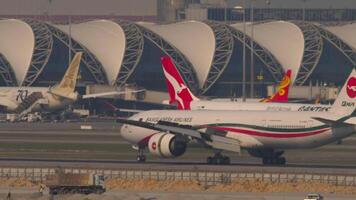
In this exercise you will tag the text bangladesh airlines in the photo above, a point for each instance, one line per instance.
(264, 134)
(181, 95)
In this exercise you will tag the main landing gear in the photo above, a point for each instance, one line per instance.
(218, 159)
(140, 157)
(274, 158)
(274, 161)
(269, 156)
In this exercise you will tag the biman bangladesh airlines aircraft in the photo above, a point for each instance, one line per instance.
(181, 95)
(264, 134)
(23, 100)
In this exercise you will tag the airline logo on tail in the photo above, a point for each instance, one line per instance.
(179, 93)
(66, 87)
(345, 103)
(351, 87)
(283, 90)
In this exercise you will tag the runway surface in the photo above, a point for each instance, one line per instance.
(53, 144)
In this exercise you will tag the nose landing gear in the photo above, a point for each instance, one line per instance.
(140, 156)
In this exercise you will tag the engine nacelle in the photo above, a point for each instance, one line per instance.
(166, 145)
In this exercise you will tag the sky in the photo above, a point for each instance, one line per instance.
(299, 3)
(78, 7)
(138, 7)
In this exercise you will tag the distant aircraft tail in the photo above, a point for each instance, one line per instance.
(345, 103)
(178, 91)
(281, 96)
(66, 87)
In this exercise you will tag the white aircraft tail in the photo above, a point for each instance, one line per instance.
(345, 103)
(66, 87)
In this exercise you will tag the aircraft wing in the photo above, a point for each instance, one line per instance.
(103, 94)
(207, 137)
(164, 126)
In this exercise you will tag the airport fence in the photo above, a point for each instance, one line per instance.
(203, 177)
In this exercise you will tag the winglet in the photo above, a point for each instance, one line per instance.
(67, 85)
(281, 95)
(178, 91)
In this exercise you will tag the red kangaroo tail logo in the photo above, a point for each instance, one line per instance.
(179, 93)
(351, 87)
(283, 90)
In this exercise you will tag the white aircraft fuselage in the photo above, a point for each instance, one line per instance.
(257, 106)
(11, 97)
(254, 129)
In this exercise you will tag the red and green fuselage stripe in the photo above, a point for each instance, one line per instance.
(268, 131)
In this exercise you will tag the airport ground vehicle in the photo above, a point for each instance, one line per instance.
(314, 197)
(64, 183)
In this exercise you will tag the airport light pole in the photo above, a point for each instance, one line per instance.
(244, 55)
(252, 77)
(70, 40)
(303, 15)
(225, 11)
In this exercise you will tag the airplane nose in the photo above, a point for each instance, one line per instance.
(128, 134)
(124, 131)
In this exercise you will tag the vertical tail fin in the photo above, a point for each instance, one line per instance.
(179, 93)
(281, 95)
(345, 103)
(67, 85)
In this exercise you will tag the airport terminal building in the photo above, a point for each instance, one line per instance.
(208, 54)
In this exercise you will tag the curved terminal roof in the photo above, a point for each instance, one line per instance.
(283, 39)
(17, 43)
(105, 39)
(194, 39)
(345, 33)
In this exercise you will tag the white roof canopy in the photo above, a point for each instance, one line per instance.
(17, 43)
(105, 39)
(283, 39)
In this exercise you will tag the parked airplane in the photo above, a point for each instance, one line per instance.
(23, 100)
(264, 134)
(180, 94)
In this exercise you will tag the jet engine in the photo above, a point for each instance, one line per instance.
(166, 145)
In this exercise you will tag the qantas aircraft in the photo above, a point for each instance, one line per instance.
(264, 134)
(23, 100)
(180, 94)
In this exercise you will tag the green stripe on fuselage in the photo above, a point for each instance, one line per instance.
(284, 130)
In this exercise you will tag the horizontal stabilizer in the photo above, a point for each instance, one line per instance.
(332, 122)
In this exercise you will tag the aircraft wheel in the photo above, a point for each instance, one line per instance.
(266, 161)
(281, 161)
(141, 158)
(226, 160)
(210, 160)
